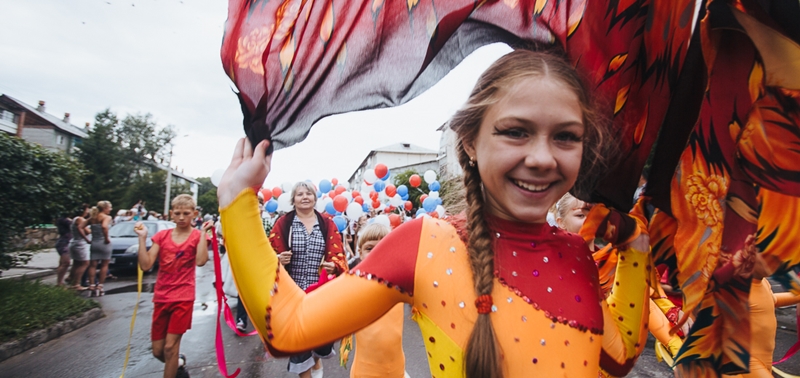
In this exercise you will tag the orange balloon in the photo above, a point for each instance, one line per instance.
(422, 199)
(391, 190)
(340, 203)
(381, 170)
(415, 181)
(334, 181)
(409, 205)
(394, 220)
(359, 200)
(276, 192)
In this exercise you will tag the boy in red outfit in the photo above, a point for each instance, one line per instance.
(178, 250)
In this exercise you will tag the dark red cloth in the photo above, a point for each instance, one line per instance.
(176, 262)
(394, 259)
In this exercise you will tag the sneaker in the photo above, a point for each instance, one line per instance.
(240, 326)
(182, 372)
(316, 373)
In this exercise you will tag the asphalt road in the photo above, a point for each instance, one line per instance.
(98, 350)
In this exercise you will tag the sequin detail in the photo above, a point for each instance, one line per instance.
(545, 259)
(430, 255)
(372, 277)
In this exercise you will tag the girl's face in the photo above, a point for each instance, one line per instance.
(367, 247)
(304, 199)
(575, 216)
(107, 210)
(529, 148)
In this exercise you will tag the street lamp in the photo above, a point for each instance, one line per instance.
(169, 177)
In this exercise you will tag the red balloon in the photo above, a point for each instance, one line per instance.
(434, 214)
(359, 200)
(422, 199)
(334, 181)
(340, 203)
(376, 204)
(373, 195)
(415, 181)
(394, 220)
(340, 189)
(391, 190)
(331, 194)
(356, 193)
(266, 193)
(381, 170)
(276, 192)
(409, 205)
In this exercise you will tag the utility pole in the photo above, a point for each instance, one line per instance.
(169, 184)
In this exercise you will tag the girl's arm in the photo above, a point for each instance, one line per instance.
(287, 319)
(627, 310)
(106, 226)
(81, 225)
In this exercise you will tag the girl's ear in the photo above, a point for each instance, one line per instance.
(560, 223)
(469, 148)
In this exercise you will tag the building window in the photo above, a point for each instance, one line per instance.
(60, 139)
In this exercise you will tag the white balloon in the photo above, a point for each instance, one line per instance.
(396, 201)
(384, 220)
(216, 177)
(354, 210)
(433, 195)
(348, 195)
(283, 202)
(430, 176)
(369, 176)
(365, 189)
(382, 207)
(424, 215)
(287, 187)
(440, 210)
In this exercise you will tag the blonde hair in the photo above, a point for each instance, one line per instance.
(563, 204)
(94, 214)
(303, 184)
(481, 356)
(184, 200)
(372, 232)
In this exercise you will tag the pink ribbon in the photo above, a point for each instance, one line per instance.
(795, 347)
(220, 347)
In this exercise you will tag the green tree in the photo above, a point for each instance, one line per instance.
(122, 158)
(207, 196)
(36, 186)
(413, 193)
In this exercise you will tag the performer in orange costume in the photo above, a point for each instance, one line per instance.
(535, 308)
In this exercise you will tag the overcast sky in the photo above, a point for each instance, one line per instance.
(162, 57)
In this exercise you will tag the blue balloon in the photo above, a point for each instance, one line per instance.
(319, 194)
(404, 197)
(429, 204)
(365, 207)
(439, 201)
(402, 190)
(330, 209)
(434, 186)
(379, 185)
(324, 186)
(338, 213)
(340, 222)
(420, 211)
(388, 173)
(271, 206)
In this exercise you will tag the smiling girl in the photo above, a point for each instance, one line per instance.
(514, 297)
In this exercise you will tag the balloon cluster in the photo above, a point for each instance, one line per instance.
(336, 200)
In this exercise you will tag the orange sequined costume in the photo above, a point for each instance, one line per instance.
(379, 348)
(549, 315)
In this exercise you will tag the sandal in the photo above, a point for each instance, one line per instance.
(100, 292)
(78, 287)
(92, 290)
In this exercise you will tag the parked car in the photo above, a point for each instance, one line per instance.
(125, 242)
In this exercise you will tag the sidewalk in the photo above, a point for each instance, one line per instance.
(43, 263)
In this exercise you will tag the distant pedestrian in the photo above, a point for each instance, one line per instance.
(62, 247)
(178, 250)
(79, 247)
(99, 222)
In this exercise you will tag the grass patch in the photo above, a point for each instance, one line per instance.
(31, 305)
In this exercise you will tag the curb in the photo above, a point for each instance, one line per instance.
(30, 276)
(35, 338)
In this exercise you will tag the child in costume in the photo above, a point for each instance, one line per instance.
(178, 251)
(535, 308)
(379, 346)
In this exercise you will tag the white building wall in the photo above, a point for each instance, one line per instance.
(43, 137)
(448, 162)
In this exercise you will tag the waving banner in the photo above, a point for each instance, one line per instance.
(708, 92)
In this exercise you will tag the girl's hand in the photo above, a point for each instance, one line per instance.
(140, 230)
(248, 169)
